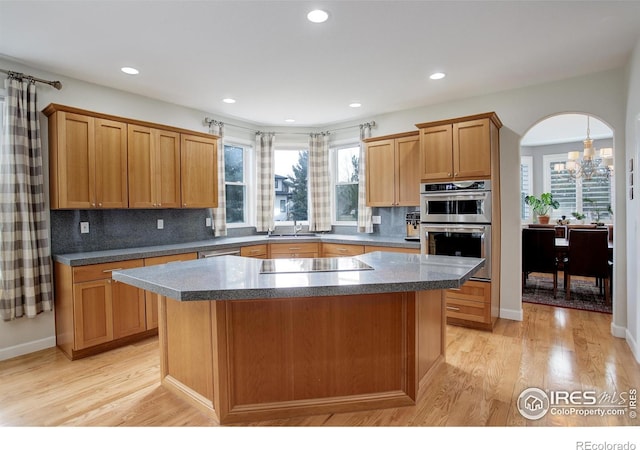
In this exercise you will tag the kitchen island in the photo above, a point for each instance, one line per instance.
(248, 339)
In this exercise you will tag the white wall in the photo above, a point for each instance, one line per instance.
(602, 95)
(633, 206)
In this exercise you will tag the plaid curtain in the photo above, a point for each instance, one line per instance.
(365, 224)
(25, 254)
(220, 213)
(266, 183)
(319, 183)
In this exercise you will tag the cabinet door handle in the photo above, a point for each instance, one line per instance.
(100, 205)
(453, 308)
(184, 205)
(448, 174)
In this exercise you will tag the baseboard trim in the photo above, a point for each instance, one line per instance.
(512, 314)
(633, 345)
(27, 347)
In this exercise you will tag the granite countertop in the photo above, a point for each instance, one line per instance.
(237, 278)
(98, 257)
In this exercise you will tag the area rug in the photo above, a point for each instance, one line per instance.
(585, 294)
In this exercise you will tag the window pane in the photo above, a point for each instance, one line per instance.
(347, 164)
(233, 164)
(563, 188)
(346, 202)
(525, 188)
(235, 196)
(596, 198)
(291, 181)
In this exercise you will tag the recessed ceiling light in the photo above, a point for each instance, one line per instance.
(317, 16)
(289, 120)
(355, 105)
(130, 70)
(229, 100)
(437, 76)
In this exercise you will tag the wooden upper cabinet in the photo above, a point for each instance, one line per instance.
(459, 149)
(154, 167)
(111, 164)
(88, 162)
(472, 149)
(380, 173)
(199, 171)
(407, 159)
(72, 160)
(436, 144)
(393, 175)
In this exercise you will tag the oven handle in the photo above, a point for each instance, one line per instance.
(454, 196)
(449, 228)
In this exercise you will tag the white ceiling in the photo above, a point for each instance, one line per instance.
(277, 65)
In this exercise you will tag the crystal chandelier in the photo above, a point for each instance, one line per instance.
(590, 165)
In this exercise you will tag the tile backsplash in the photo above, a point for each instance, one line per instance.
(111, 229)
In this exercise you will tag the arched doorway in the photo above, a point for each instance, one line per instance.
(552, 160)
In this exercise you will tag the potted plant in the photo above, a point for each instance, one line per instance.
(579, 216)
(542, 205)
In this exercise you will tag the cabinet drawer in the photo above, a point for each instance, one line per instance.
(468, 310)
(102, 271)
(342, 249)
(155, 260)
(291, 248)
(477, 291)
(254, 251)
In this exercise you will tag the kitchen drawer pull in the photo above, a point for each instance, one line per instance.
(453, 308)
(111, 270)
(455, 289)
(295, 248)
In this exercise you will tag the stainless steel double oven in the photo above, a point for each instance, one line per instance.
(456, 220)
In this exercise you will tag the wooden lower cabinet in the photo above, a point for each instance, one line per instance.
(294, 250)
(94, 313)
(332, 250)
(470, 305)
(260, 251)
(129, 310)
(151, 299)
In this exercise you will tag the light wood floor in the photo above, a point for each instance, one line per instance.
(552, 348)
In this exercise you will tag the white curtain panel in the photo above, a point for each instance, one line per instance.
(265, 175)
(319, 183)
(25, 253)
(220, 213)
(365, 224)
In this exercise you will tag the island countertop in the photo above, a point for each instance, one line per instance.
(237, 278)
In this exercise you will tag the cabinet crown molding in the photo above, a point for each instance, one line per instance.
(489, 115)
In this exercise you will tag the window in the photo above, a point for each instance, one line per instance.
(526, 184)
(345, 195)
(590, 197)
(235, 176)
(291, 185)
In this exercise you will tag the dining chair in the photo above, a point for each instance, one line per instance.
(539, 254)
(588, 256)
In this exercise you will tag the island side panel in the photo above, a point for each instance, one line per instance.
(300, 356)
(431, 326)
(186, 349)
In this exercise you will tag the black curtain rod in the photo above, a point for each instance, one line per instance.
(55, 84)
